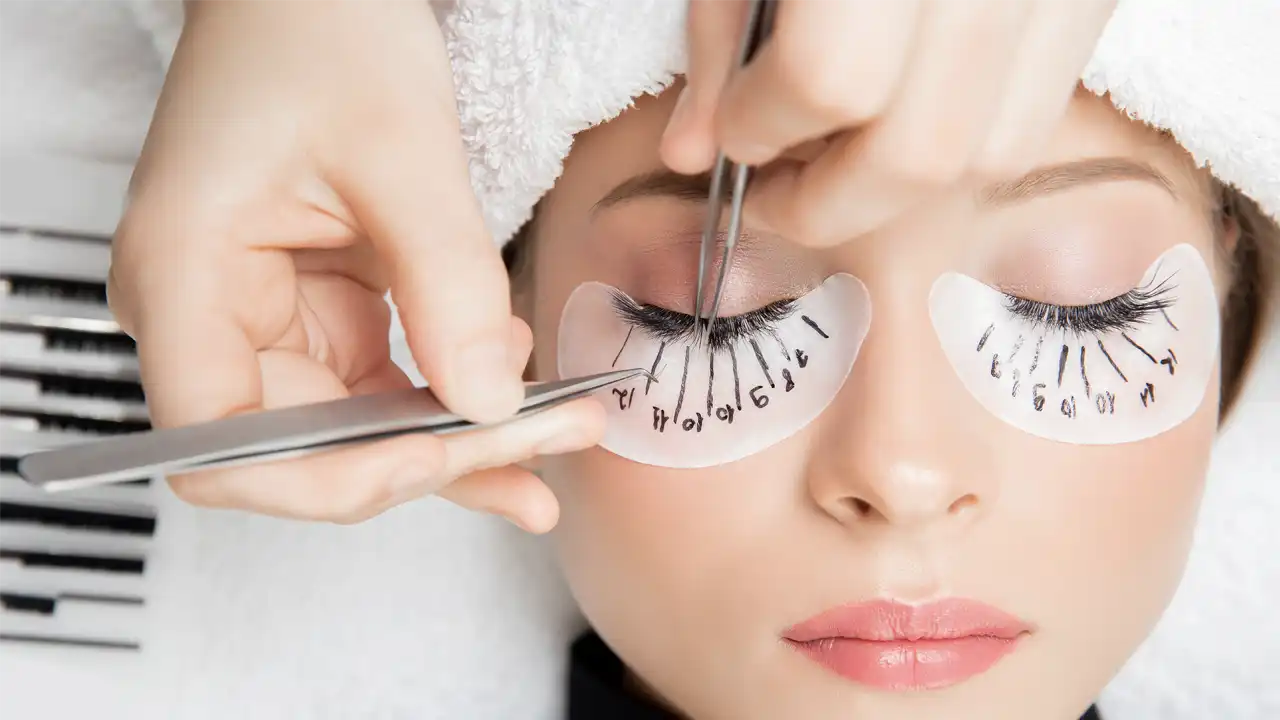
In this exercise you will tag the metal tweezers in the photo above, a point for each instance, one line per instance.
(277, 434)
(760, 19)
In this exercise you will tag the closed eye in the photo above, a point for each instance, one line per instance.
(1118, 314)
(671, 326)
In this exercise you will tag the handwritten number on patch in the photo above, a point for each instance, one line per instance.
(690, 423)
(625, 397)
(760, 399)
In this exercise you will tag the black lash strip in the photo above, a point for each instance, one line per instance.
(1119, 314)
(671, 326)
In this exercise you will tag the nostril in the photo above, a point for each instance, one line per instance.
(963, 503)
(862, 508)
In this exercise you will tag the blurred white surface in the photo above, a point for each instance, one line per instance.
(1214, 653)
(431, 612)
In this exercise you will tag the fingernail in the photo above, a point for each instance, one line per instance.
(493, 391)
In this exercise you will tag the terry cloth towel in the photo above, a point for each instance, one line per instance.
(431, 612)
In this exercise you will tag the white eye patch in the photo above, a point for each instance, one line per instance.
(1113, 372)
(762, 377)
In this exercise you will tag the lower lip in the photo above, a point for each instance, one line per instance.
(908, 665)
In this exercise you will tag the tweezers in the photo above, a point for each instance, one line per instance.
(760, 19)
(277, 434)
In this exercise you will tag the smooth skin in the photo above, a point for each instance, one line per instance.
(305, 159)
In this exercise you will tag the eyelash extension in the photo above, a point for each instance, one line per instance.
(670, 326)
(1121, 313)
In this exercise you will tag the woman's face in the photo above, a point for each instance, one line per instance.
(906, 489)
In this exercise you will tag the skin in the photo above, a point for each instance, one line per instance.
(905, 487)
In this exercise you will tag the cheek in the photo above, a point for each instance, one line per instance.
(661, 548)
(1105, 532)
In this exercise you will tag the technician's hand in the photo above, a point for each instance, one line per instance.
(909, 95)
(304, 159)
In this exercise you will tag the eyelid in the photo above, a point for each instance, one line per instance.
(671, 325)
(1120, 313)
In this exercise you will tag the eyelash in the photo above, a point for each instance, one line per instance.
(671, 326)
(1119, 314)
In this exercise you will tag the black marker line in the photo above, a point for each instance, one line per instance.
(1062, 363)
(763, 365)
(737, 387)
(814, 325)
(684, 379)
(1017, 345)
(1088, 390)
(1165, 313)
(1140, 348)
(1114, 366)
(653, 370)
(785, 353)
(624, 346)
(1035, 359)
(711, 385)
(990, 329)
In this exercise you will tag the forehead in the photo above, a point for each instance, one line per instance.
(627, 146)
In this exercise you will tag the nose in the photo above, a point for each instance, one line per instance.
(900, 447)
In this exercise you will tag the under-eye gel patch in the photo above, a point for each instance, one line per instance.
(1117, 371)
(756, 380)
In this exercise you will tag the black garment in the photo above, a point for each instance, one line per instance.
(597, 690)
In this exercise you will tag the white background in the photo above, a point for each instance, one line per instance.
(429, 612)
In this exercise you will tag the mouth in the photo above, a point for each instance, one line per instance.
(890, 645)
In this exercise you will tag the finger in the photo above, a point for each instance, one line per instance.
(340, 486)
(1059, 41)
(714, 34)
(343, 325)
(410, 190)
(197, 351)
(827, 66)
(914, 150)
(510, 491)
(567, 428)
(570, 427)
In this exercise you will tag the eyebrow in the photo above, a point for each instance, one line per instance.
(658, 183)
(1052, 179)
(1041, 181)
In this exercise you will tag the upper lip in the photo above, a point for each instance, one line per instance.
(894, 621)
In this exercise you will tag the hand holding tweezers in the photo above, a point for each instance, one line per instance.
(276, 434)
(760, 19)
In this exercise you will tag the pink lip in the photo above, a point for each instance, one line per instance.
(894, 646)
